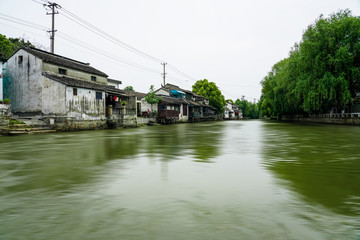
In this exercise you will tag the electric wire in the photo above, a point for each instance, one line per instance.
(23, 30)
(89, 26)
(22, 22)
(103, 53)
(100, 32)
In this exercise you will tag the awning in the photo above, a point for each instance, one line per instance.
(176, 92)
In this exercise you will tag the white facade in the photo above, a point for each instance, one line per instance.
(85, 104)
(115, 83)
(146, 107)
(33, 93)
(1, 80)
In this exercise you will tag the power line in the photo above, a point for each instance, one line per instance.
(101, 33)
(22, 22)
(73, 17)
(181, 73)
(103, 53)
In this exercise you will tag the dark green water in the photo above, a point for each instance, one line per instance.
(217, 180)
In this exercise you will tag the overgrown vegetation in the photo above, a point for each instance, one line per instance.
(321, 72)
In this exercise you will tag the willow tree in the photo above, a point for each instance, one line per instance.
(321, 72)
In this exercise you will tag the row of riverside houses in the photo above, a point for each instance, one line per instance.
(73, 95)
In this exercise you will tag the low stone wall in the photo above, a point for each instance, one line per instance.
(5, 111)
(326, 120)
(76, 125)
(145, 121)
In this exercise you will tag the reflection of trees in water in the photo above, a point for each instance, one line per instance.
(60, 161)
(167, 142)
(172, 142)
(52, 162)
(320, 162)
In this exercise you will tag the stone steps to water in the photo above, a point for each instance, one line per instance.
(19, 129)
(30, 131)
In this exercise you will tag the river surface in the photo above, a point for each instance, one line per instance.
(215, 180)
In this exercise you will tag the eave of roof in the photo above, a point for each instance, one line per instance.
(63, 61)
(72, 82)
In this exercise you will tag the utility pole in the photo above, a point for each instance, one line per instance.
(51, 7)
(164, 73)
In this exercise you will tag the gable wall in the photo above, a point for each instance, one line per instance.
(23, 83)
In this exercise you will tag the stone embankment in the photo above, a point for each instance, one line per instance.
(338, 120)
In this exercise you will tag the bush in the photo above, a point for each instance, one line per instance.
(7, 101)
(14, 121)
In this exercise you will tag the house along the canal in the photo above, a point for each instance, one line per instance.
(67, 93)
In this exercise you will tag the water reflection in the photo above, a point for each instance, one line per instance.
(59, 161)
(319, 162)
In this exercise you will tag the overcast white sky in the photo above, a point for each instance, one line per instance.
(233, 43)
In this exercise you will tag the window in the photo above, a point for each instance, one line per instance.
(75, 91)
(98, 95)
(62, 71)
(20, 59)
(93, 78)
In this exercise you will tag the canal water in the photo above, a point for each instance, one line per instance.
(215, 180)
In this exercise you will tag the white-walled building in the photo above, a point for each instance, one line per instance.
(42, 83)
(2, 69)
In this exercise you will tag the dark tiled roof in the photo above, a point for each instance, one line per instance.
(169, 87)
(139, 95)
(63, 61)
(72, 82)
(171, 100)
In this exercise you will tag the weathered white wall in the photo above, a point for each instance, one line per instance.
(47, 67)
(162, 92)
(146, 106)
(53, 97)
(84, 106)
(181, 115)
(23, 84)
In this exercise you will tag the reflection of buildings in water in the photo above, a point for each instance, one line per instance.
(318, 162)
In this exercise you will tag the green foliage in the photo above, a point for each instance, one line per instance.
(249, 109)
(212, 92)
(9, 45)
(7, 101)
(151, 96)
(6, 47)
(123, 103)
(14, 121)
(321, 72)
(129, 88)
